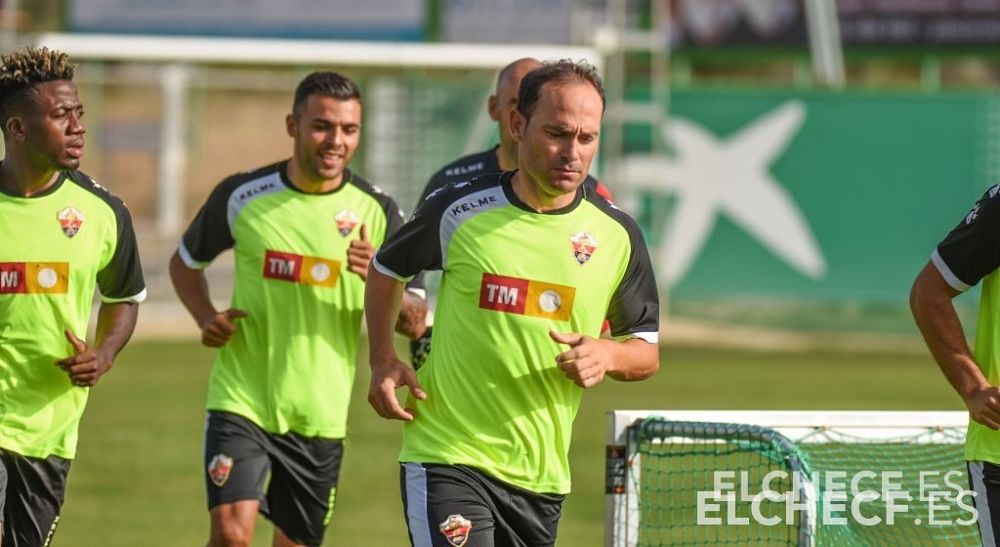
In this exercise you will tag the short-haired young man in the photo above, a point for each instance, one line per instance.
(303, 231)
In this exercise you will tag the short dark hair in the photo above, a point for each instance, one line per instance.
(326, 84)
(562, 71)
(23, 70)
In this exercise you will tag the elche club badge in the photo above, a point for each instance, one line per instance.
(70, 220)
(456, 530)
(219, 469)
(346, 221)
(584, 245)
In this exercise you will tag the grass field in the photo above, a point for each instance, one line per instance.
(137, 477)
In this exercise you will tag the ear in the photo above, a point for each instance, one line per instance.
(493, 108)
(518, 124)
(14, 127)
(290, 125)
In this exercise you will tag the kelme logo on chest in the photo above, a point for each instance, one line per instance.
(526, 297)
(34, 277)
(308, 270)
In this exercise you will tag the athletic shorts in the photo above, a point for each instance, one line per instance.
(984, 480)
(300, 496)
(31, 493)
(455, 505)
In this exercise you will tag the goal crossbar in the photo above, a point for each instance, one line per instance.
(276, 51)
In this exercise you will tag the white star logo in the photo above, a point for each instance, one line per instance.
(712, 176)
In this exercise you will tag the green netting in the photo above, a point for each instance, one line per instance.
(677, 460)
(920, 524)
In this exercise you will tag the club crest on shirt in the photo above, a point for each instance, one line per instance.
(346, 221)
(584, 245)
(456, 530)
(70, 219)
(219, 469)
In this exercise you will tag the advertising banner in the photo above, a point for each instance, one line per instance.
(332, 19)
(810, 196)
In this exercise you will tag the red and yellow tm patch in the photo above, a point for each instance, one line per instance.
(309, 270)
(526, 297)
(34, 277)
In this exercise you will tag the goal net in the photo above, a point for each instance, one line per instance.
(787, 478)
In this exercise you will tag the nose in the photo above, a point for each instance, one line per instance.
(571, 151)
(76, 126)
(335, 137)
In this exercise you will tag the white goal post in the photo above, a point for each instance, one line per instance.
(623, 460)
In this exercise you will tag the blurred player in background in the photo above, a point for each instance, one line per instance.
(968, 255)
(500, 158)
(532, 264)
(304, 231)
(62, 235)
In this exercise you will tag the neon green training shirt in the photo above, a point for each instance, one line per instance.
(57, 247)
(496, 399)
(290, 365)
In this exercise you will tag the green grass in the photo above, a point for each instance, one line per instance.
(137, 477)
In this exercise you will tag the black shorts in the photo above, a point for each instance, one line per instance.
(454, 505)
(304, 470)
(31, 493)
(984, 480)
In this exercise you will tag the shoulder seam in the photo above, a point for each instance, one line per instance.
(86, 183)
(384, 200)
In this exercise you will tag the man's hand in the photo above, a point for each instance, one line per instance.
(587, 360)
(217, 329)
(386, 378)
(984, 406)
(86, 365)
(360, 253)
(412, 320)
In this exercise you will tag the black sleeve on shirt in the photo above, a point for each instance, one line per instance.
(393, 221)
(209, 234)
(417, 245)
(393, 216)
(972, 249)
(463, 169)
(122, 277)
(635, 304)
(438, 180)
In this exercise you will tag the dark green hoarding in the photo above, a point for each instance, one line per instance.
(814, 198)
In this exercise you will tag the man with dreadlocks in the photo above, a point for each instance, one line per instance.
(63, 236)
